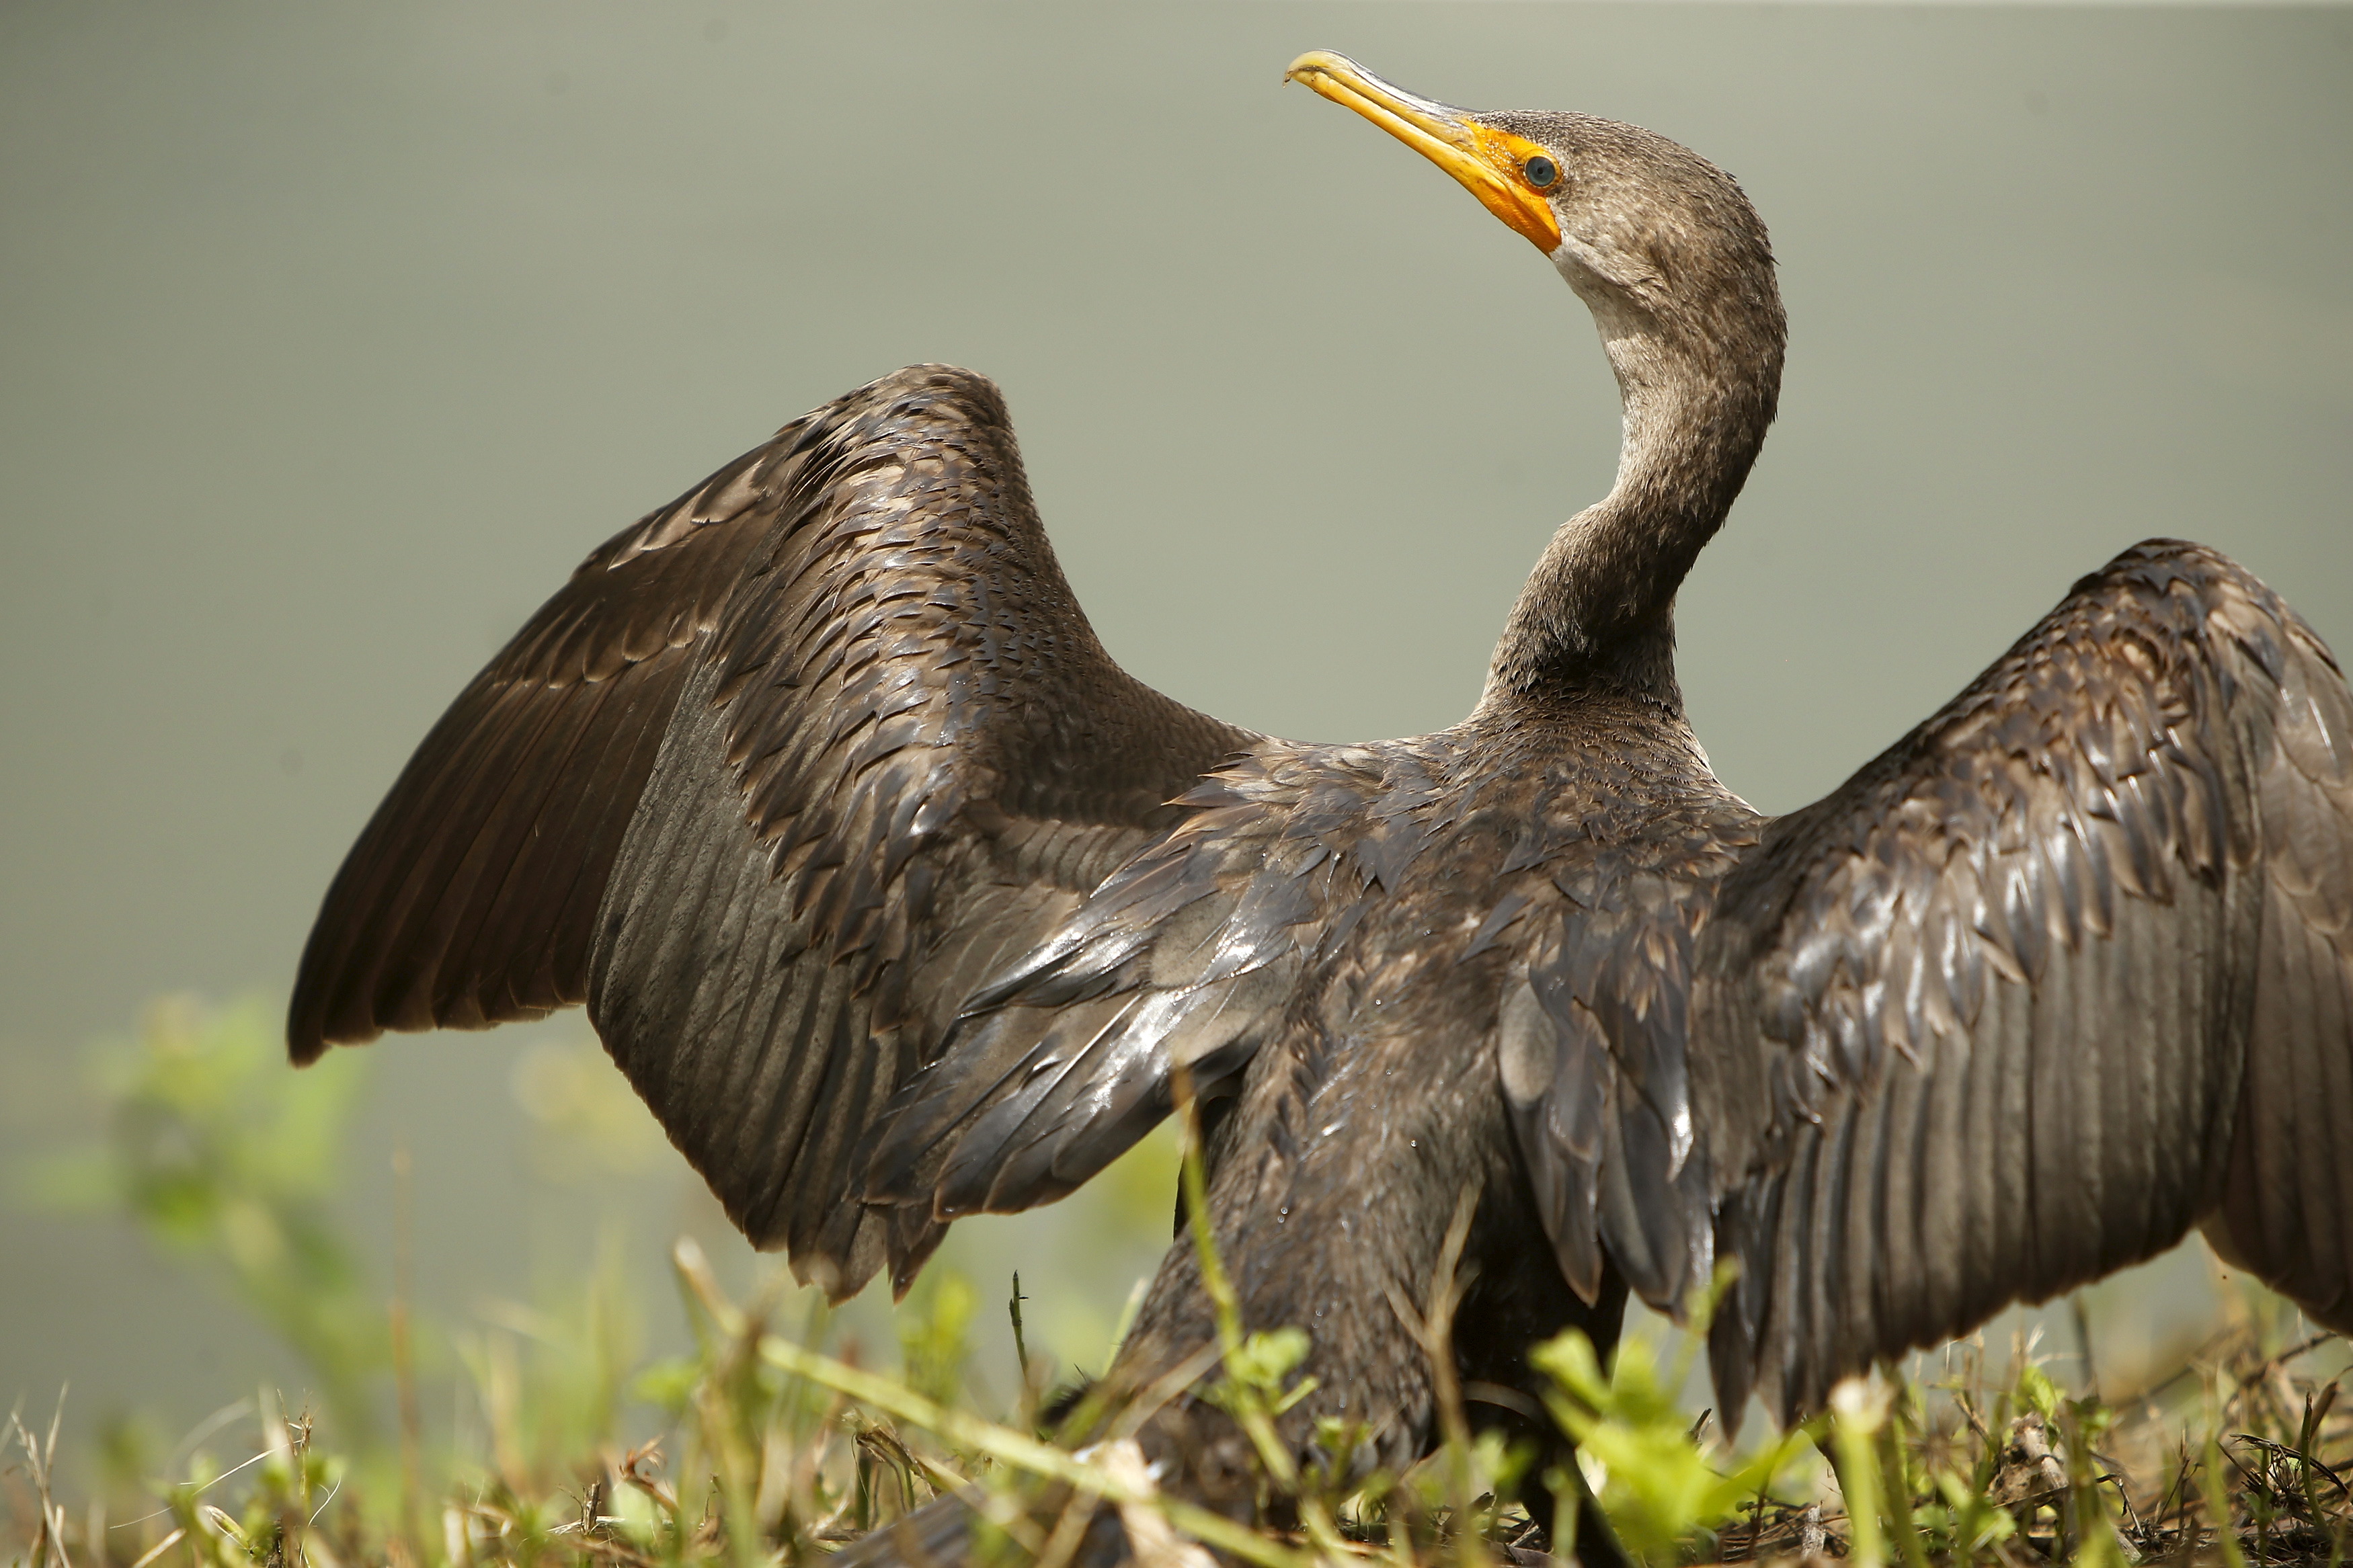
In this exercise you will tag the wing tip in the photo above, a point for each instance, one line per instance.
(309, 1033)
(308, 1030)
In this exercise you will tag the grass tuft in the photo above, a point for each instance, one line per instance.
(773, 1445)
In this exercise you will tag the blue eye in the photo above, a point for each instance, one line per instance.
(1542, 173)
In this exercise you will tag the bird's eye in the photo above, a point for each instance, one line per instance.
(1542, 172)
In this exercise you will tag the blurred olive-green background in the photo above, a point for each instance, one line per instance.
(335, 334)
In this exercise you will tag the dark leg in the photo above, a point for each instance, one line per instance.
(1508, 1312)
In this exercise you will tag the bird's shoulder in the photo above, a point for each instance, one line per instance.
(1565, 845)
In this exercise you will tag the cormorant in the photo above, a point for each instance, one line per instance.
(898, 901)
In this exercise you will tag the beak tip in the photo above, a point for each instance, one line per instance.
(1313, 62)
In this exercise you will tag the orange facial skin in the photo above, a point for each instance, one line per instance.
(1489, 164)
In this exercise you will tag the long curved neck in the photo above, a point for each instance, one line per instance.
(1600, 606)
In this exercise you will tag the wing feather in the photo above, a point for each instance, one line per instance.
(470, 896)
(2053, 978)
(781, 775)
(1181, 965)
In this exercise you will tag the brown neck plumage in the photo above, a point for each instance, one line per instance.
(1600, 606)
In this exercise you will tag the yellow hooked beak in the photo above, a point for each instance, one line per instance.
(1490, 163)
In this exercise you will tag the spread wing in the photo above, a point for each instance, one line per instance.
(778, 777)
(2067, 970)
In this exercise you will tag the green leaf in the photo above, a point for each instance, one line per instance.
(2036, 1391)
(1267, 1357)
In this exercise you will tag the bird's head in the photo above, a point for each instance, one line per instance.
(1641, 226)
(1673, 261)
